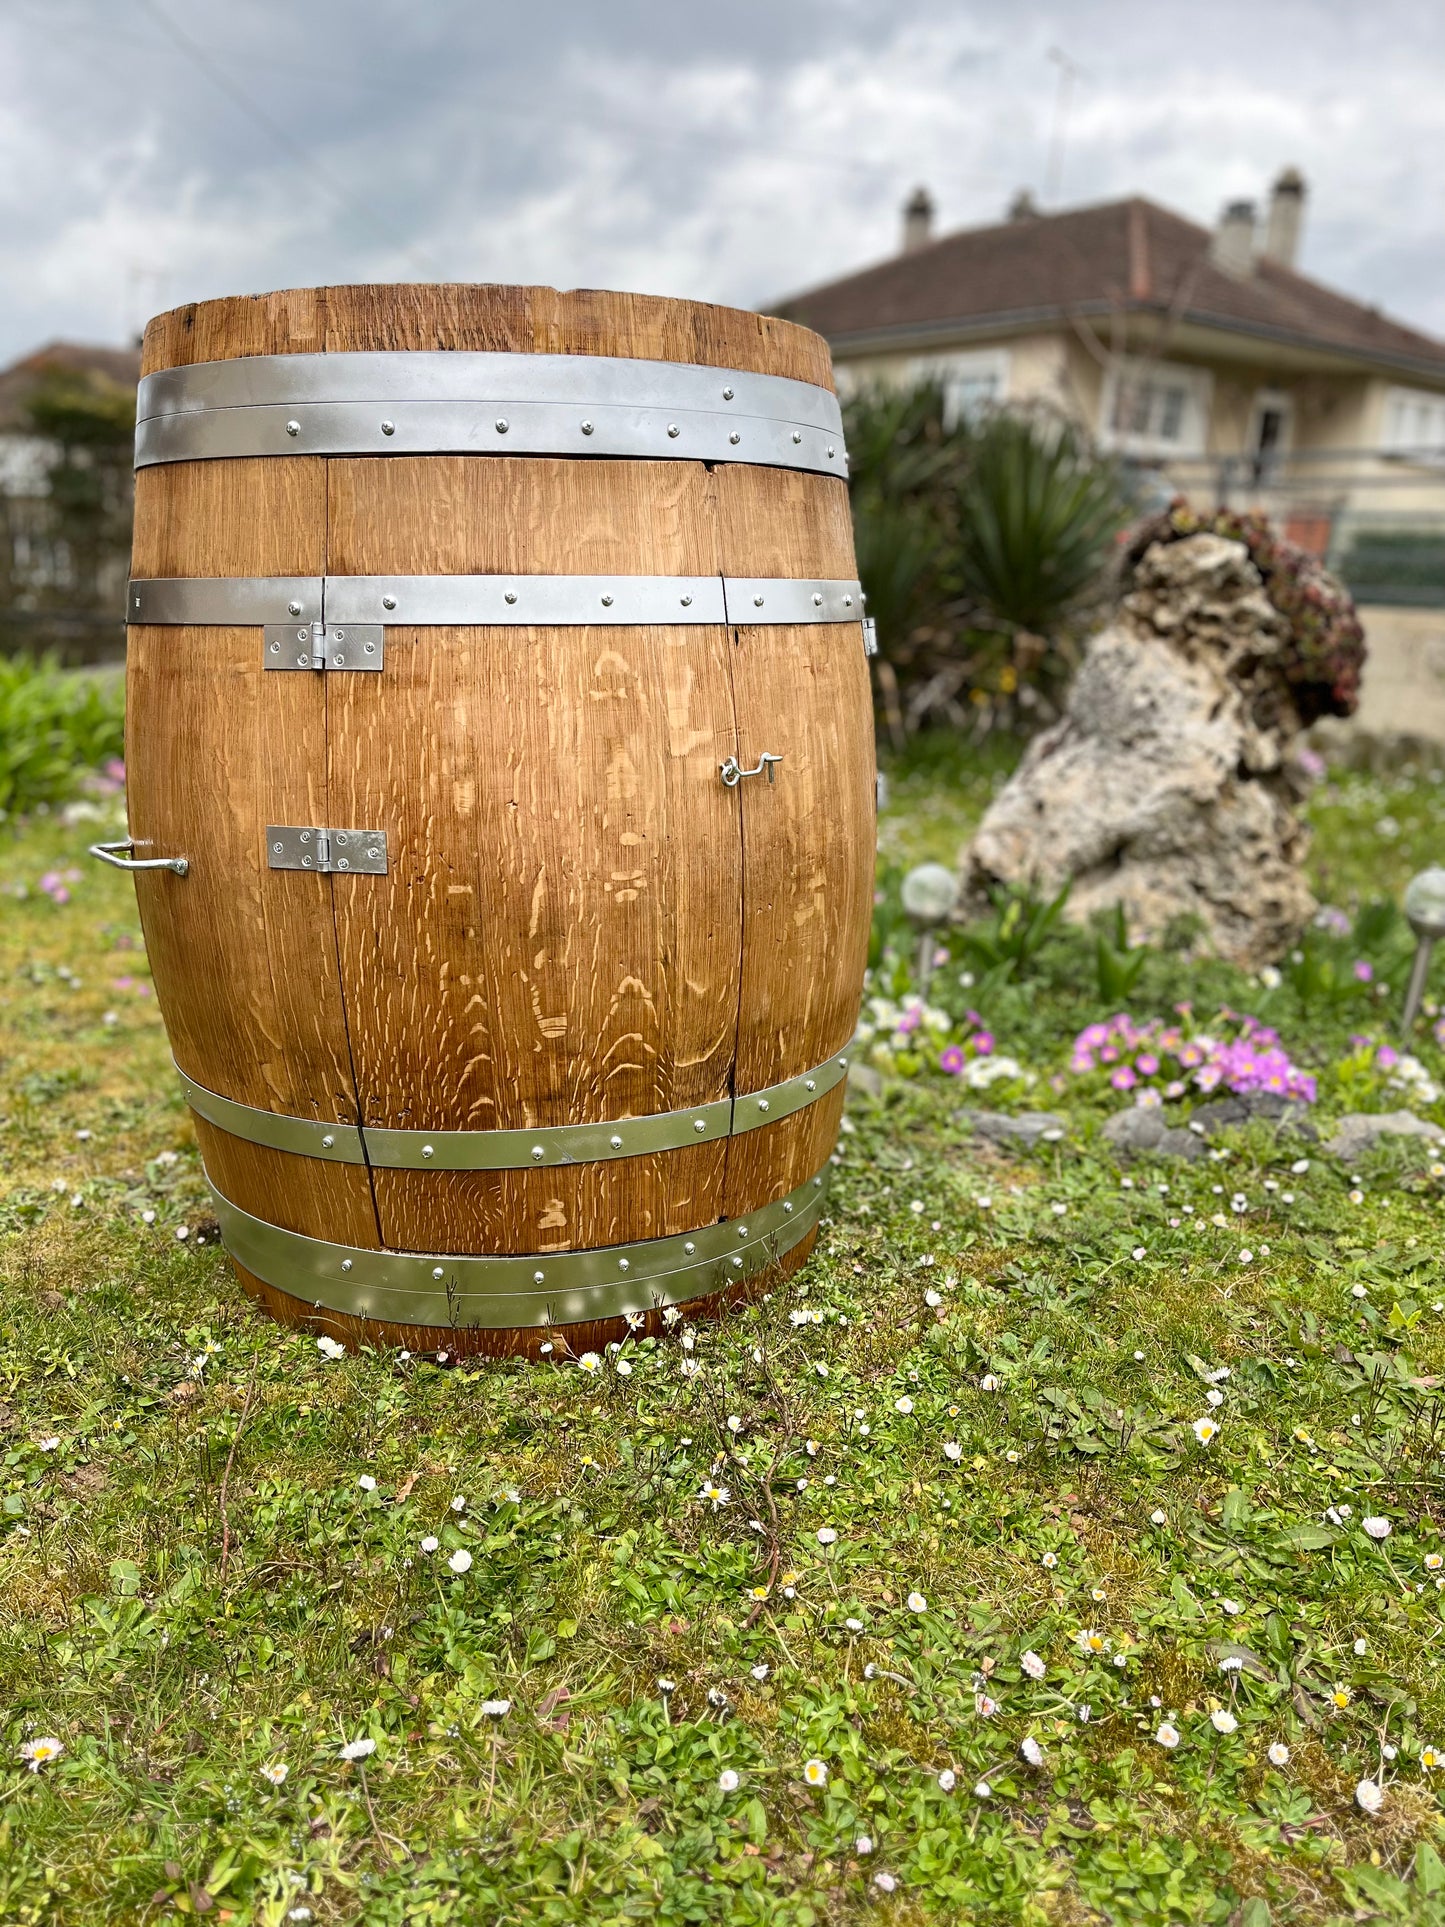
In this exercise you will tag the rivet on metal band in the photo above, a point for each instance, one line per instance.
(628, 1137)
(287, 605)
(424, 403)
(488, 1293)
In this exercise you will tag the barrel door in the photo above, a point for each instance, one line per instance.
(497, 666)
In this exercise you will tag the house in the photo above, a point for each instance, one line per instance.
(25, 457)
(64, 556)
(1206, 360)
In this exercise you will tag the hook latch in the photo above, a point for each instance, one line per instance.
(732, 771)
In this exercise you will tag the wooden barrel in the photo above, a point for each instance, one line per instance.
(496, 672)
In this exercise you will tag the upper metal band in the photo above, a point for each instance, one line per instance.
(548, 1288)
(556, 1144)
(427, 403)
(462, 601)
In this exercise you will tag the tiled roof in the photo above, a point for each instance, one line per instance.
(18, 381)
(1131, 255)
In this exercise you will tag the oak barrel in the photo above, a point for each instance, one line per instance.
(497, 675)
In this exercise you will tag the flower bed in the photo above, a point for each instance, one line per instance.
(1158, 1061)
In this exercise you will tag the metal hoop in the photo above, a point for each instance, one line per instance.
(550, 1288)
(557, 1144)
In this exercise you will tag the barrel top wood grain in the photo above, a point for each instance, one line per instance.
(482, 317)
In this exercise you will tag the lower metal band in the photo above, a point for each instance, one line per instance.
(463, 601)
(556, 1144)
(546, 1289)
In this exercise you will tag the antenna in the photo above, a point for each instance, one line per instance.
(1069, 72)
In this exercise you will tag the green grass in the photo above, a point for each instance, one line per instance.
(196, 1585)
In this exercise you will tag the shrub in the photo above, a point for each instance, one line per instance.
(1038, 513)
(1326, 649)
(54, 727)
(981, 544)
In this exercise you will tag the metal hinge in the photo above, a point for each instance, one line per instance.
(870, 636)
(315, 645)
(327, 851)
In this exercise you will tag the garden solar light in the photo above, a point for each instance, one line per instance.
(1425, 914)
(929, 894)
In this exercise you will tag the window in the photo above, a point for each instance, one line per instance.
(1155, 408)
(1414, 425)
(972, 381)
(1269, 434)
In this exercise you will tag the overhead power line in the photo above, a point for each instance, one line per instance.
(277, 130)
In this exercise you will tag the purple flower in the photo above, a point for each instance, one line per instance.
(982, 1042)
(1386, 1057)
(1123, 1079)
(951, 1060)
(1147, 1064)
(1365, 972)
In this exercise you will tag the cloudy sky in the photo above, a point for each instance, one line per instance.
(153, 151)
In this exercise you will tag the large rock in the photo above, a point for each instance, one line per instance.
(1166, 785)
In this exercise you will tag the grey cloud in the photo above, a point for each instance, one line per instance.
(731, 152)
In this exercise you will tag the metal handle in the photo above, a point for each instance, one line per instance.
(107, 854)
(732, 771)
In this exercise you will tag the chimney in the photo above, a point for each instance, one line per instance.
(917, 220)
(1233, 245)
(1023, 207)
(1286, 214)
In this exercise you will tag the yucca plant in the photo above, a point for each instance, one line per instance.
(1037, 517)
(905, 462)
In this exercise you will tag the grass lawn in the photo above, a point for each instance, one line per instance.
(372, 1639)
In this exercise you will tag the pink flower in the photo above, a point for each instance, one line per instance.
(1365, 972)
(1123, 1079)
(1386, 1057)
(951, 1060)
(982, 1042)
(1146, 1064)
